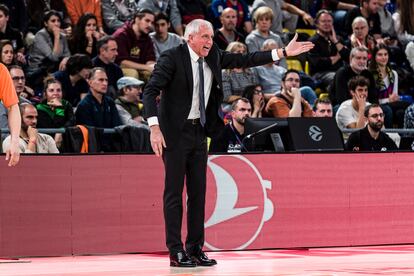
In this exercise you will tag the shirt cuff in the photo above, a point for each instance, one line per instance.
(152, 121)
(275, 57)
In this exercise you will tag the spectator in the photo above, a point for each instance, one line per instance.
(96, 109)
(263, 17)
(227, 33)
(129, 103)
(191, 9)
(53, 111)
(77, 8)
(360, 36)
(85, 35)
(387, 23)
(136, 50)
(73, 78)
(236, 79)
(7, 54)
(231, 137)
(255, 96)
(107, 52)
(168, 7)
(369, 10)
(351, 112)
(162, 39)
(116, 12)
(50, 50)
(322, 108)
(404, 21)
(30, 141)
(11, 34)
(329, 53)
(282, 13)
(18, 14)
(289, 102)
(357, 66)
(24, 92)
(244, 20)
(371, 138)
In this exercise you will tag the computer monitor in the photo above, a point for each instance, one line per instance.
(266, 134)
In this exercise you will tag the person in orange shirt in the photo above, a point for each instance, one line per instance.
(76, 8)
(10, 100)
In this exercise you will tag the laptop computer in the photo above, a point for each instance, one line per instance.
(315, 134)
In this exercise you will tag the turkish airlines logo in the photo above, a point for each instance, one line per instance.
(315, 133)
(237, 205)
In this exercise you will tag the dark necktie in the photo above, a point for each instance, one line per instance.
(201, 92)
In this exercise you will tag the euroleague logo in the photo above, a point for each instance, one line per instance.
(315, 133)
(237, 206)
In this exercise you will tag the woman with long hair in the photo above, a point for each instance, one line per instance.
(85, 36)
(386, 82)
(256, 98)
(7, 53)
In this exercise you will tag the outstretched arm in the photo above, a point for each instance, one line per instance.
(295, 47)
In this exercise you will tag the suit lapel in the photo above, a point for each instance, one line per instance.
(187, 68)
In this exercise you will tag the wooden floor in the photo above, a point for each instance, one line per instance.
(374, 260)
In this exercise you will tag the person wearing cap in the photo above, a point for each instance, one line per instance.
(129, 103)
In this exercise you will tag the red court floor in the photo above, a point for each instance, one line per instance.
(372, 260)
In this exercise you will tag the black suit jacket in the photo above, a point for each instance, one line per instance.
(173, 76)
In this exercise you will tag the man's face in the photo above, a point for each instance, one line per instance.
(323, 110)
(3, 20)
(109, 54)
(263, 24)
(99, 82)
(359, 61)
(376, 118)
(241, 112)
(325, 23)
(145, 24)
(19, 80)
(161, 26)
(133, 92)
(360, 91)
(372, 6)
(202, 41)
(291, 80)
(229, 19)
(29, 117)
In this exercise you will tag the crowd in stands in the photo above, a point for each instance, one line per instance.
(85, 62)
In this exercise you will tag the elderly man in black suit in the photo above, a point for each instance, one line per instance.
(179, 136)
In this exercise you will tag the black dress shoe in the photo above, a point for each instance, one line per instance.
(201, 259)
(181, 259)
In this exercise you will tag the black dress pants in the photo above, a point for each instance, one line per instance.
(185, 161)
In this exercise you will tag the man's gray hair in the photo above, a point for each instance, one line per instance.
(358, 49)
(269, 42)
(194, 27)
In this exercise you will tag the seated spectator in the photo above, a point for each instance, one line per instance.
(162, 39)
(409, 117)
(357, 66)
(227, 33)
(168, 7)
(263, 17)
(386, 82)
(191, 9)
(284, 13)
(371, 138)
(73, 78)
(351, 112)
(289, 102)
(322, 108)
(236, 79)
(54, 111)
(77, 8)
(30, 141)
(404, 22)
(136, 54)
(85, 35)
(387, 23)
(96, 109)
(231, 137)
(24, 92)
(369, 10)
(360, 36)
(7, 54)
(107, 52)
(116, 12)
(49, 52)
(270, 75)
(129, 103)
(11, 34)
(329, 53)
(244, 20)
(18, 14)
(256, 98)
